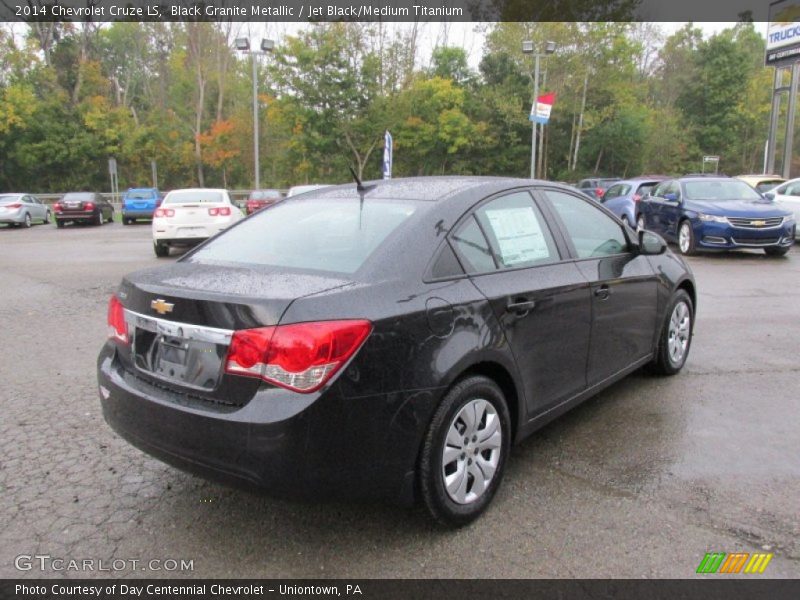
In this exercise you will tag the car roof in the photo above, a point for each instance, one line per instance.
(760, 178)
(427, 188)
(142, 189)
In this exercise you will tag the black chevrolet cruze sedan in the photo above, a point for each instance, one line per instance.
(389, 340)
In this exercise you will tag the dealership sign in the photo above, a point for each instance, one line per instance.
(540, 112)
(783, 32)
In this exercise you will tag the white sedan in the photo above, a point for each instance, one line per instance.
(788, 195)
(188, 217)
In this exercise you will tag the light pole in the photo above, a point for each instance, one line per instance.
(527, 48)
(243, 45)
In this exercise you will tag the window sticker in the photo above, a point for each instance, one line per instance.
(519, 235)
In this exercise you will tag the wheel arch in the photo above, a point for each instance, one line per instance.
(505, 381)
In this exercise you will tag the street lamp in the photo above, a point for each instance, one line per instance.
(243, 45)
(528, 48)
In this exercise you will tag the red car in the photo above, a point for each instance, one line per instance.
(258, 199)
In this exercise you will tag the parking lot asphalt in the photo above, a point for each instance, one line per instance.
(640, 481)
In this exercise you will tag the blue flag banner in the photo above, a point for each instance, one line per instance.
(387, 155)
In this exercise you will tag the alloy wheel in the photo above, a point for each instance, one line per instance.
(678, 333)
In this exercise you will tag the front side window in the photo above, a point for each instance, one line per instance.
(592, 232)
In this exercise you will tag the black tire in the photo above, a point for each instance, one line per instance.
(777, 251)
(46, 218)
(59, 223)
(111, 217)
(160, 249)
(126, 220)
(27, 222)
(99, 220)
(663, 363)
(431, 472)
(691, 248)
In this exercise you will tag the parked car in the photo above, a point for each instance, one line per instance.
(623, 197)
(83, 207)
(717, 213)
(787, 195)
(259, 199)
(389, 340)
(762, 183)
(596, 186)
(139, 203)
(22, 210)
(302, 189)
(187, 217)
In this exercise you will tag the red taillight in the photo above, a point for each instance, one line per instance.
(223, 211)
(13, 205)
(300, 357)
(165, 212)
(117, 327)
(599, 192)
(88, 206)
(637, 198)
(57, 207)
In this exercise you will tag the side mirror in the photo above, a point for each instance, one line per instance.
(651, 243)
(671, 196)
(769, 195)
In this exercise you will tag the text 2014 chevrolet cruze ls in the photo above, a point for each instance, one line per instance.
(389, 342)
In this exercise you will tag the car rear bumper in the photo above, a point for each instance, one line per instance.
(13, 219)
(721, 236)
(290, 445)
(135, 213)
(164, 231)
(78, 216)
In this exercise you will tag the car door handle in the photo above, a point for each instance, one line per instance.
(603, 292)
(521, 306)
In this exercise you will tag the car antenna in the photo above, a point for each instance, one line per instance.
(362, 189)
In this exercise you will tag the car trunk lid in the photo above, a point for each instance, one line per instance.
(181, 318)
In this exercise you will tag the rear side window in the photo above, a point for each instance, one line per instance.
(505, 233)
(335, 235)
(473, 247)
(592, 232)
(517, 231)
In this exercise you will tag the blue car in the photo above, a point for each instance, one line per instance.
(139, 203)
(717, 213)
(623, 197)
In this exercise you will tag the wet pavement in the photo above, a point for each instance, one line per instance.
(640, 481)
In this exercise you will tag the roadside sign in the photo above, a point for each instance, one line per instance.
(112, 166)
(540, 112)
(712, 160)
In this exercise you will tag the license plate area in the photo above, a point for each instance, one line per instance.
(174, 357)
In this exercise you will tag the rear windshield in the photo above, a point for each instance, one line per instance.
(7, 199)
(141, 195)
(264, 194)
(192, 196)
(335, 235)
(766, 186)
(78, 196)
(716, 189)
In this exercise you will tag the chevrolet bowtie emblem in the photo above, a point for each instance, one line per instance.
(162, 307)
(759, 223)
